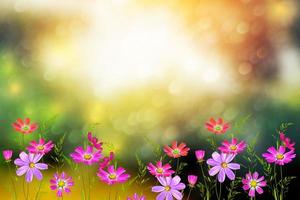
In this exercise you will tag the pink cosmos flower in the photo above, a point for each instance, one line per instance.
(253, 183)
(279, 156)
(106, 160)
(170, 187)
(94, 142)
(286, 142)
(160, 170)
(136, 197)
(192, 179)
(176, 151)
(40, 147)
(112, 175)
(29, 164)
(200, 155)
(87, 156)
(221, 165)
(217, 127)
(7, 154)
(232, 147)
(61, 183)
(24, 127)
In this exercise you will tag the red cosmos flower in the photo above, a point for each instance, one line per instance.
(286, 142)
(217, 127)
(24, 127)
(176, 151)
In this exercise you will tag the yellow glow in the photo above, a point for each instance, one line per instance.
(15, 88)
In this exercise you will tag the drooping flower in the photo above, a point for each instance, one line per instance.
(279, 156)
(87, 156)
(200, 155)
(286, 142)
(112, 175)
(136, 197)
(94, 142)
(221, 165)
(253, 183)
(40, 147)
(170, 187)
(160, 170)
(24, 126)
(29, 164)
(7, 154)
(217, 126)
(233, 147)
(192, 179)
(61, 182)
(176, 151)
(106, 160)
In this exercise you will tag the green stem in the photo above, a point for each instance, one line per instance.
(12, 181)
(177, 166)
(189, 193)
(216, 189)
(205, 183)
(220, 192)
(83, 183)
(281, 188)
(275, 180)
(89, 183)
(23, 185)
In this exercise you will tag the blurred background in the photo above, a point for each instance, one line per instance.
(133, 71)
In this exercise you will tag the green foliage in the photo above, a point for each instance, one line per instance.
(58, 156)
(284, 126)
(233, 188)
(142, 172)
(180, 167)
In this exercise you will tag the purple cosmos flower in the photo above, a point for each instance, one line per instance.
(29, 164)
(221, 165)
(112, 175)
(253, 183)
(40, 147)
(200, 155)
(87, 156)
(7, 154)
(61, 183)
(233, 146)
(279, 156)
(170, 187)
(136, 197)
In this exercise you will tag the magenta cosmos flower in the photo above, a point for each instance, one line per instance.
(200, 155)
(170, 187)
(160, 170)
(136, 197)
(279, 156)
(286, 142)
(87, 156)
(253, 183)
(176, 151)
(7, 154)
(232, 147)
(112, 175)
(106, 160)
(40, 147)
(29, 164)
(192, 179)
(217, 126)
(24, 126)
(61, 183)
(221, 165)
(94, 142)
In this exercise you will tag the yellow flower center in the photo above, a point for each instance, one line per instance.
(159, 170)
(31, 165)
(41, 147)
(279, 156)
(233, 147)
(224, 164)
(112, 176)
(167, 188)
(61, 183)
(253, 183)
(87, 156)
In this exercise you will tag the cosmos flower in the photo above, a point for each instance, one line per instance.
(24, 127)
(232, 147)
(170, 187)
(87, 156)
(7, 154)
(160, 170)
(286, 142)
(192, 179)
(136, 197)
(176, 151)
(94, 142)
(29, 164)
(200, 155)
(279, 156)
(61, 183)
(221, 165)
(112, 175)
(40, 147)
(106, 160)
(253, 183)
(217, 127)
